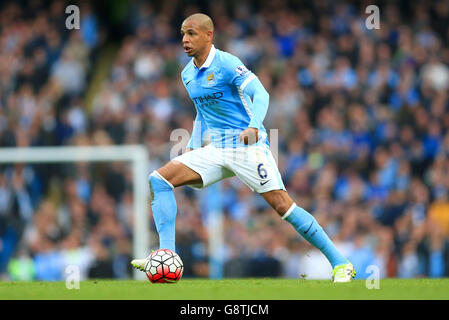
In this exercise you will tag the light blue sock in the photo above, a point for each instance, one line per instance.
(164, 208)
(308, 227)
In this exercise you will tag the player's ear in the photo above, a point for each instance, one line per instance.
(210, 35)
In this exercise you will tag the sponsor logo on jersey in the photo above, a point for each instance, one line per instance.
(242, 70)
(208, 98)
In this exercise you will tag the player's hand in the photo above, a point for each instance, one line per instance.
(249, 136)
(187, 150)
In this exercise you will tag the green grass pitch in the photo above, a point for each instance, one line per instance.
(229, 289)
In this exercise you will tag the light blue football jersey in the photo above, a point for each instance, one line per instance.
(224, 110)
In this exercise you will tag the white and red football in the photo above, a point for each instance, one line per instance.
(164, 266)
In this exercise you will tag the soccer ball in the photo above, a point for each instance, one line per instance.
(164, 266)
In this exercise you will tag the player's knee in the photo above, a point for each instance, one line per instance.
(281, 207)
(158, 182)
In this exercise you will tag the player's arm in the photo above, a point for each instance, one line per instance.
(250, 85)
(260, 97)
(199, 127)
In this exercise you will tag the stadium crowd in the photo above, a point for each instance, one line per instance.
(362, 119)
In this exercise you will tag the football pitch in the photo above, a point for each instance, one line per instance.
(229, 289)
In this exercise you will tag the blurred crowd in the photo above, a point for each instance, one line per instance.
(362, 119)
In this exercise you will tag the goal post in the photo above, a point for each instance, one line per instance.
(137, 155)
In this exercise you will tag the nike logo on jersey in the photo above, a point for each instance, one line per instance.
(188, 82)
(262, 183)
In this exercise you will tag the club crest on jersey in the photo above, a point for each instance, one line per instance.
(210, 77)
(242, 70)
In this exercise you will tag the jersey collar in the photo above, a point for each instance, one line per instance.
(209, 58)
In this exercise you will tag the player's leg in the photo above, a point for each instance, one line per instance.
(178, 174)
(198, 168)
(308, 227)
(259, 171)
(163, 202)
(305, 224)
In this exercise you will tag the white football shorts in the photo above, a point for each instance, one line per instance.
(254, 165)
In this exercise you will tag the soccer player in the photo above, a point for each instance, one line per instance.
(231, 104)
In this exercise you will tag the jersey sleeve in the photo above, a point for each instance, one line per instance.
(248, 84)
(260, 98)
(238, 74)
(199, 127)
